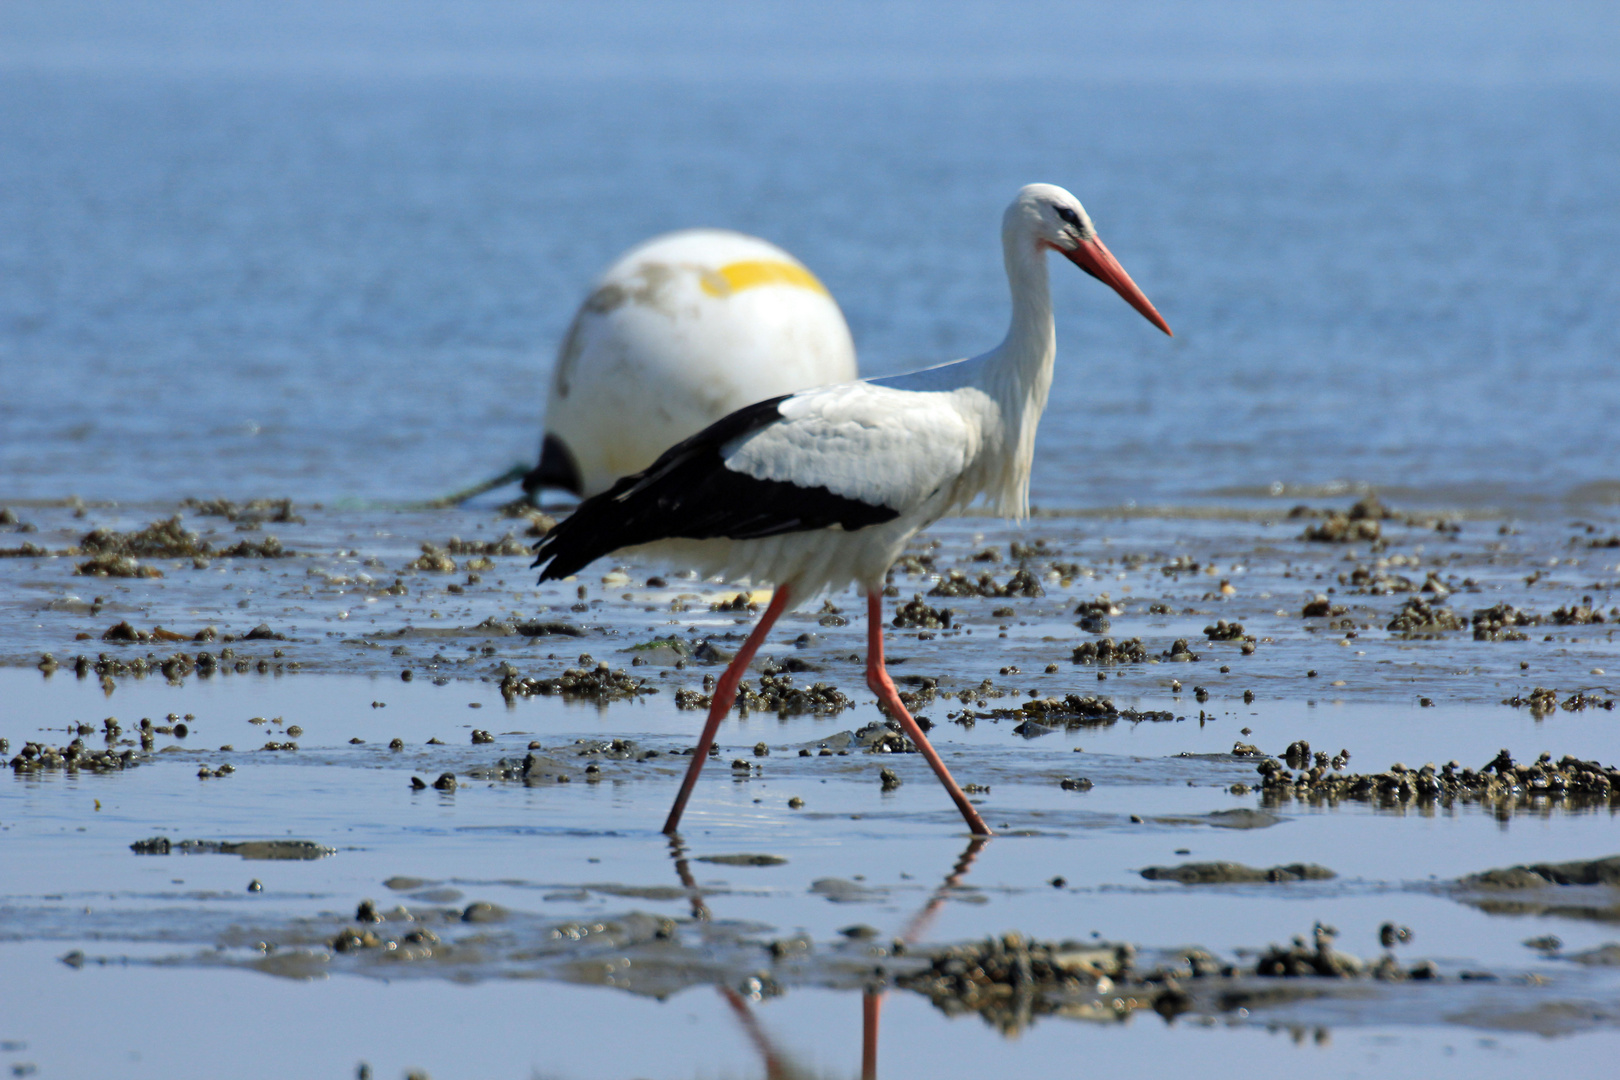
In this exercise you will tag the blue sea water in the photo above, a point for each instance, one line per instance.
(328, 250)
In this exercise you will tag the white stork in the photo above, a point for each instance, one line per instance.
(821, 489)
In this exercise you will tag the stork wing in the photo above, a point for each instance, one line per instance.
(876, 445)
(849, 456)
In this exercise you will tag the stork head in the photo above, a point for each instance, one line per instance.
(1056, 220)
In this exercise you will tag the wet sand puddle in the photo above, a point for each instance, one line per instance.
(1172, 853)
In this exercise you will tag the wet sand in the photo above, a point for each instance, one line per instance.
(1095, 762)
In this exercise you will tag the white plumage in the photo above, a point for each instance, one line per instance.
(822, 488)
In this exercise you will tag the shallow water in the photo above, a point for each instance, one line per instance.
(235, 260)
(503, 1029)
(156, 926)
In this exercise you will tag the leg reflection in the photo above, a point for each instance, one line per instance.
(872, 998)
(683, 869)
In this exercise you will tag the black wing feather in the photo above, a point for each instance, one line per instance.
(688, 493)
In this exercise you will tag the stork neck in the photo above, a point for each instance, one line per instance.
(1027, 353)
(1018, 372)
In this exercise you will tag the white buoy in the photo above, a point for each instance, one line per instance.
(680, 331)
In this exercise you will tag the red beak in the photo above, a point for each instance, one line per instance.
(1096, 260)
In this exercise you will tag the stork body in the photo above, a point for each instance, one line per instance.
(821, 489)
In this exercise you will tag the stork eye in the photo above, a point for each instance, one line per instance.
(1069, 216)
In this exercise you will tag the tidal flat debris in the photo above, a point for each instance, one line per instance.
(350, 939)
(916, 614)
(1361, 522)
(1606, 955)
(254, 511)
(111, 565)
(178, 665)
(1501, 782)
(1321, 608)
(433, 560)
(1071, 711)
(1011, 981)
(1105, 651)
(844, 891)
(743, 859)
(1501, 622)
(741, 603)
(1581, 614)
(1584, 889)
(600, 684)
(547, 628)
(1225, 631)
(1231, 873)
(957, 585)
(1419, 618)
(1393, 934)
(1604, 871)
(1179, 653)
(36, 757)
(482, 911)
(404, 883)
(1338, 528)
(1236, 818)
(300, 850)
(1095, 614)
(540, 767)
(1318, 957)
(507, 545)
(775, 693)
(167, 539)
(1542, 701)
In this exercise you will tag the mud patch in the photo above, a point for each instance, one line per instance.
(1231, 873)
(247, 849)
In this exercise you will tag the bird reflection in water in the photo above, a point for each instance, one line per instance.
(779, 1066)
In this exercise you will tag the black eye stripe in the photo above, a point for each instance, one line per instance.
(1069, 216)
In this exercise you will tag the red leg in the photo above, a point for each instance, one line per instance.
(877, 677)
(725, 692)
(871, 1001)
(919, 922)
(774, 1061)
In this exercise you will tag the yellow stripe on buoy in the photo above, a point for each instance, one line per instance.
(737, 276)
